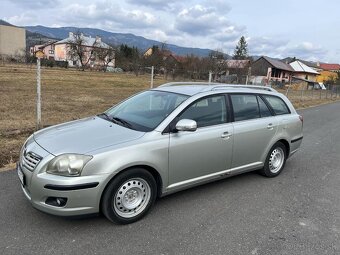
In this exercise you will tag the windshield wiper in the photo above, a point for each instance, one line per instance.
(115, 120)
(105, 116)
(120, 121)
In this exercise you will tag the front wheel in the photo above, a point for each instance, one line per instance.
(129, 196)
(275, 160)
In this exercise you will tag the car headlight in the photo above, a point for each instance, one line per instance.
(68, 164)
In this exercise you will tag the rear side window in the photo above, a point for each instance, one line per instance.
(245, 107)
(264, 110)
(278, 105)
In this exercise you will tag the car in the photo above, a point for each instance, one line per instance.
(155, 143)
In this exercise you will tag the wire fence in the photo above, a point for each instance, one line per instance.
(69, 94)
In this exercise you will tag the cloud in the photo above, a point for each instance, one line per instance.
(155, 4)
(266, 46)
(35, 4)
(282, 48)
(201, 20)
(306, 50)
(107, 12)
(22, 19)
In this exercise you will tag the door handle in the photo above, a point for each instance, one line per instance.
(270, 126)
(226, 135)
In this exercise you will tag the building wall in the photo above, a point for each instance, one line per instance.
(306, 76)
(12, 40)
(260, 67)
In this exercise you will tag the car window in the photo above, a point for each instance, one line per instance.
(264, 110)
(278, 105)
(245, 107)
(207, 112)
(146, 110)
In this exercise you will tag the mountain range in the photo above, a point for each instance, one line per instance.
(111, 38)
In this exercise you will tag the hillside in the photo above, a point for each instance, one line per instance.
(116, 39)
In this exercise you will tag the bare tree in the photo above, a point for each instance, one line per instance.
(104, 55)
(77, 49)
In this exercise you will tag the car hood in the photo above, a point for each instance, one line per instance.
(83, 136)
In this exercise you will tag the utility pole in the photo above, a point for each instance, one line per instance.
(39, 56)
(152, 71)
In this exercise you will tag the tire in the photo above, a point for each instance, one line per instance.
(275, 161)
(129, 196)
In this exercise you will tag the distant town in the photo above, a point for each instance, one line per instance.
(86, 52)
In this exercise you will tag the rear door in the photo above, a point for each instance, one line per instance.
(254, 128)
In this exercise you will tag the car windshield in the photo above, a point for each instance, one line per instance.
(144, 111)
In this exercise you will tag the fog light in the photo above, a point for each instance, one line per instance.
(56, 201)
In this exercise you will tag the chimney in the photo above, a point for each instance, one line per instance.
(98, 39)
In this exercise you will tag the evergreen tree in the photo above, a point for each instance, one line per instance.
(241, 50)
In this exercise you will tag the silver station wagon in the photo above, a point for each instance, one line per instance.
(154, 143)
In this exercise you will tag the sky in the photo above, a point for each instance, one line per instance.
(306, 29)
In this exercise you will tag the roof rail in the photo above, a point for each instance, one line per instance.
(215, 86)
(169, 84)
(223, 86)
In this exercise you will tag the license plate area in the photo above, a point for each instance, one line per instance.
(21, 175)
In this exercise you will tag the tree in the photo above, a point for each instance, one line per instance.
(241, 50)
(217, 63)
(105, 55)
(128, 58)
(77, 49)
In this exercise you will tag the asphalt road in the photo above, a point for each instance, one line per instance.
(296, 213)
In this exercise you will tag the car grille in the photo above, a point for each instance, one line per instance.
(30, 160)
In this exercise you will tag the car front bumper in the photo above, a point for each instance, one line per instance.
(82, 193)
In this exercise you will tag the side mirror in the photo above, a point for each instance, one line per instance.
(186, 125)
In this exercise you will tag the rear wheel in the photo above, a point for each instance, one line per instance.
(275, 160)
(129, 196)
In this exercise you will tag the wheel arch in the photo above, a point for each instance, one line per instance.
(286, 144)
(148, 168)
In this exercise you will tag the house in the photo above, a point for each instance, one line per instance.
(47, 48)
(234, 71)
(270, 70)
(12, 41)
(304, 72)
(61, 50)
(314, 65)
(330, 67)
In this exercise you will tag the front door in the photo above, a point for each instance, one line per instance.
(194, 156)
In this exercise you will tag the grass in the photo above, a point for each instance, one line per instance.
(67, 95)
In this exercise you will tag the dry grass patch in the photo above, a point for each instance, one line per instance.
(66, 95)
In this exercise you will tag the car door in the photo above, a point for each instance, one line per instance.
(193, 156)
(254, 129)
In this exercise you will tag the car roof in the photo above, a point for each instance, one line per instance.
(193, 88)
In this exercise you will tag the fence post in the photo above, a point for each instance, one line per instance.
(151, 82)
(210, 76)
(38, 94)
